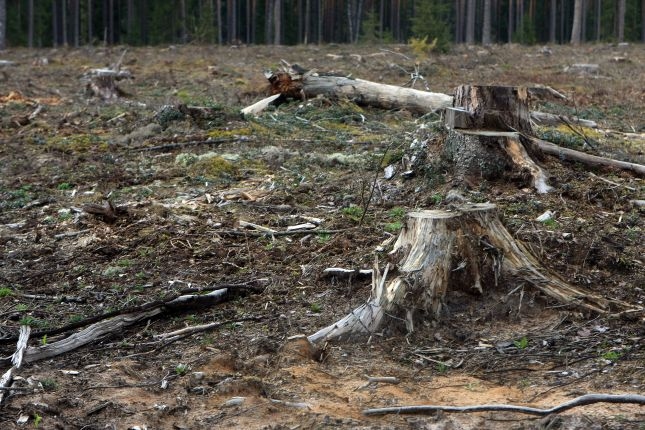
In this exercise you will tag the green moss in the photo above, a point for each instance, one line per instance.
(213, 167)
(226, 133)
(78, 143)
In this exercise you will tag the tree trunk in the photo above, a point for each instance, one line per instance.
(621, 20)
(470, 22)
(598, 19)
(486, 40)
(552, 21)
(468, 249)
(277, 22)
(3, 24)
(30, 24)
(90, 27)
(510, 21)
(577, 22)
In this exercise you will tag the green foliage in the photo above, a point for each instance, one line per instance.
(393, 227)
(5, 291)
(397, 213)
(324, 237)
(526, 33)
(521, 343)
(43, 340)
(430, 22)
(315, 308)
(49, 384)
(353, 212)
(37, 420)
(612, 356)
(421, 47)
(182, 369)
(28, 320)
(64, 186)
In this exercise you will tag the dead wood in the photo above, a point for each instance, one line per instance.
(566, 154)
(16, 360)
(544, 118)
(587, 399)
(484, 134)
(360, 91)
(440, 250)
(116, 324)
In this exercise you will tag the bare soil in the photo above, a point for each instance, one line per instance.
(180, 186)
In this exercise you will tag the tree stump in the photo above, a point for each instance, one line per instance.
(439, 250)
(488, 135)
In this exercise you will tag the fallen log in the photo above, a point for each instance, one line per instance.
(467, 248)
(566, 154)
(360, 91)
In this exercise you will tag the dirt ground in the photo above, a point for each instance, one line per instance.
(181, 188)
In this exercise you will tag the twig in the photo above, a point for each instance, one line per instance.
(178, 145)
(277, 233)
(587, 399)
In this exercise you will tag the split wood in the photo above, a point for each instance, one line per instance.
(587, 399)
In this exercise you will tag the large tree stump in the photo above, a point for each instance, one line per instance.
(440, 250)
(488, 135)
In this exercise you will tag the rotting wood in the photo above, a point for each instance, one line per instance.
(16, 361)
(440, 250)
(586, 399)
(115, 324)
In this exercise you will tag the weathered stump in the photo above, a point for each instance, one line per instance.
(488, 135)
(441, 250)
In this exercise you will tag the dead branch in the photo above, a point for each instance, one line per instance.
(16, 361)
(587, 159)
(587, 399)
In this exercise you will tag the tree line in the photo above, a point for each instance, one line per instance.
(42, 23)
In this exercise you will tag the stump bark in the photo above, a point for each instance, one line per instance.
(439, 250)
(488, 135)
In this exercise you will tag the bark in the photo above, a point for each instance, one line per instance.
(470, 22)
(90, 27)
(3, 24)
(486, 39)
(566, 154)
(510, 21)
(277, 22)
(577, 22)
(360, 91)
(552, 21)
(467, 248)
(621, 20)
(30, 24)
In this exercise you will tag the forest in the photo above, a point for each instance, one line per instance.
(45, 23)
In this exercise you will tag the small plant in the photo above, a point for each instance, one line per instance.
(521, 343)
(28, 320)
(315, 308)
(353, 212)
(5, 291)
(421, 47)
(393, 227)
(64, 186)
(436, 198)
(43, 340)
(37, 420)
(124, 262)
(324, 237)
(21, 307)
(49, 384)
(396, 213)
(181, 369)
(551, 223)
(442, 368)
(612, 356)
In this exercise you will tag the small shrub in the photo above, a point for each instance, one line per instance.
(5, 291)
(353, 212)
(521, 343)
